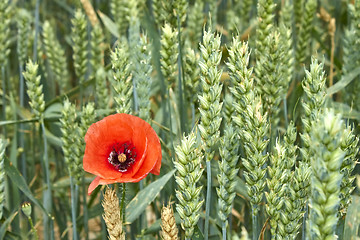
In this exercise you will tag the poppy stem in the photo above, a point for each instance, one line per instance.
(122, 209)
(208, 199)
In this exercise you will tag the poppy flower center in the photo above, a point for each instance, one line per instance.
(122, 156)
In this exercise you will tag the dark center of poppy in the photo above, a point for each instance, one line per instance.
(122, 157)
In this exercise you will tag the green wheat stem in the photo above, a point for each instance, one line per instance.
(208, 198)
(224, 230)
(285, 112)
(85, 207)
(73, 208)
(47, 194)
(22, 138)
(254, 219)
(192, 115)
(170, 124)
(181, 77)
(3, 144)
(3, 83)
(122, 209)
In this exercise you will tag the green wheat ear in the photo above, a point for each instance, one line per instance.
(276, 182)
(209, 100)
(5, 18)
(55, 57)
(120, 10)
(250, 120)
(169, 54)
(35, 89)
(195, 23)
(326, 162)
(227, 171)
(142, 75)
(269, 76)
(191, 75)
(313, 102)
(351, 58)
(188, 190)
(349, 144)
(98, 71)
(80, 47)
(24, 29)
(121, 81)
(70, 140)
(304, 34)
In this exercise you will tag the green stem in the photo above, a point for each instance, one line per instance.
(3, 97)
(33, 230)
(170, 124)
(208, 199)
(192, 115)
(48, 230)
(85, 209)
(254, 223)
(181, 100)
(303, 235)
(122, 209)
(73, 208)
(285, 112)
(22, 138)
(224, 230)
(81, 93)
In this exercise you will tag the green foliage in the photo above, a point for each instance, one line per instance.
(148, 61)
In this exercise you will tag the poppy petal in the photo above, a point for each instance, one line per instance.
(93, 185)
(156, 169)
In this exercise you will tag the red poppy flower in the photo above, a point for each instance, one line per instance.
(121, 148)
